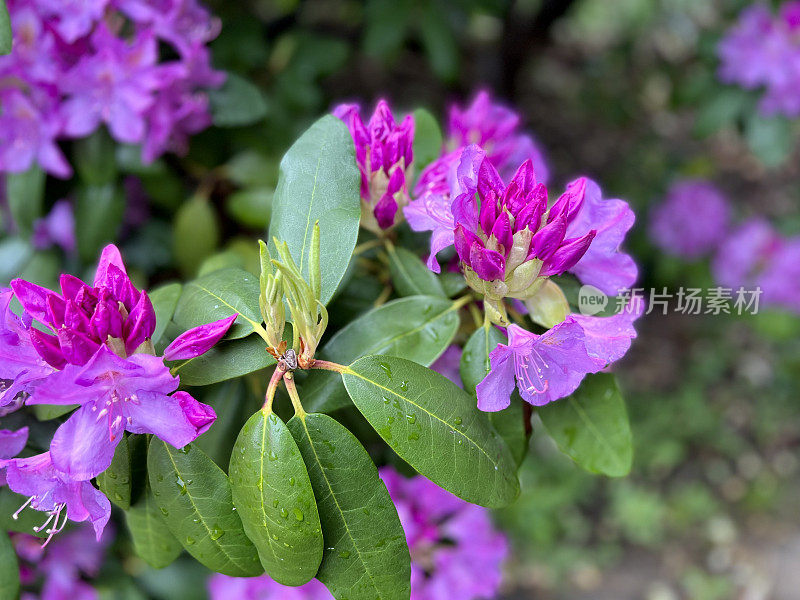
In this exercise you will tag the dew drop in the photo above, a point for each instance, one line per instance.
(404, 386)
(457, 421)
(111, 474)
(386, 369)
(298, 514)
(275, 503)
(413, 436)
(272, 455)
(344, 554)
(164, 511)
(216, 532)
(291, 480)
(412, 418)
(284, 513)
(190, 540)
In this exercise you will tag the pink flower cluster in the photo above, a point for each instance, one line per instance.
(456, 552)
(78, 64)
(763, 51)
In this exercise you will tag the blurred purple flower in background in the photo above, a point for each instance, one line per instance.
(449, 364)
(56, 229)
(11, 444)
(762, 50)
(755, 255)
(692, 220)
(385, 158)
(456, 552)
(77, 64)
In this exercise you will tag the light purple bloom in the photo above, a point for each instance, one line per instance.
(552, 365)
(50, 491)
(11, 444)
(692, 220)
(495, 128)
(763, 50)
(72, 19)
(449, 364)
(754, 256)
(384, 156)
(224, 587)
(57, 228)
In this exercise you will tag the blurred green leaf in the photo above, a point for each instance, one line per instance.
(165, 300)
(195, 234)
(427, 139)
(251, 207)
(95, 159)
(5, 29)
(723, 109)
(98, 216)
(9, 567)
(237, 103)
(770, 139)
(25, 196)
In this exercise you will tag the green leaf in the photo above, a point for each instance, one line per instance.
(115, 481)
(770, 139)
(48, 412)
(418, 328)
(475, 358)
(194, 496)
(27, 519)
(723, 109)
(274, 498)
(435, 427)
(165, 301)
(319, 181)
(510, 423)
(9, 568)
(25, 195)
(195, 234)
(237, 103)
(592, 427)
(5, 29)
(152, 539)
(95, 159)
(219, 295)
(366, 556)
(226, 360)
(251, 207)
(427, 139)
(410, 276)
(98, 216)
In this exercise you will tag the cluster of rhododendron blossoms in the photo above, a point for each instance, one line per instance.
(78, 65)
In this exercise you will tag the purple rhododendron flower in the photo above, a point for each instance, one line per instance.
(456, 552)
(449, 364)
(11, 444)
(57, 228)
(692, 220)
(763, 50)
(385, 159)
(755, 256)
(51, 491)
(494, 128)
(199, 340)
(552, 365)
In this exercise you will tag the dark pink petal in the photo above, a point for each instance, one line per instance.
(567, 255)
(202, 416)
(488, 264)
(489, 181)
(110, 256)
(71, 285)
(198, 340)
(488, 214)
(48, 348)
(33, 298)
(464, 240)
(547, 240)
(140, 324)
(524, 178)
(502, 231)
(76, 347)
(75, 318)
(56, 310)
(530, 215)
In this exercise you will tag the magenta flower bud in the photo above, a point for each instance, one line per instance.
(33, 299)
(140, 324)
(198, 340)
(48, 348)
(202, 416)
(385, 158)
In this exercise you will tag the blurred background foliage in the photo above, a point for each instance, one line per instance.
(623, 91)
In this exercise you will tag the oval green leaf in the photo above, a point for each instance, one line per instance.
(592, 427)
(165, 301)
(9, 568)
(115, 481)
(319, 181)
(366, 556)
(427, 139)
(475, 358)
(194, 496)
(152, 539)
(226, 360)
(273, 495)
(435, 427)
(219, 295)
(410, 276)
(418, 328)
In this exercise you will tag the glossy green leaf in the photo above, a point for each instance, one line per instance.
(219, 295)
(274, 498)
(165, 300)
(319, 181)
(237, 103)
(592, 427)
(195, 234)
(511, 424)
(418, 328)
(152, 539)
(475, 358)
(427, 139)
(226, 360)
(25, 195)
(5, 29)
(115, 481)
(410, 276)
(195, 497)
(366, 556)
(233, 402)
(9, 568)
(435, 427)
